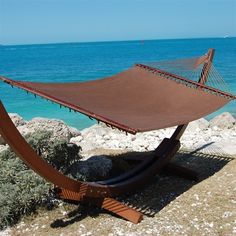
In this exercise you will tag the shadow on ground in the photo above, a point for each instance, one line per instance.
(163, 188)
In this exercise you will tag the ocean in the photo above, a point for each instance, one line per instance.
(70, 62)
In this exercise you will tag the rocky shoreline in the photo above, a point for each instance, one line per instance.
(218, 135)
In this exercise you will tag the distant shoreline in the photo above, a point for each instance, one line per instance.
(114, 41)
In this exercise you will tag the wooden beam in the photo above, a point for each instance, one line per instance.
(207, 66)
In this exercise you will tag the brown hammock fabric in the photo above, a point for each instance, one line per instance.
(139, 99)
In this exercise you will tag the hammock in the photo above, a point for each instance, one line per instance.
(139, 99)
(145, 97)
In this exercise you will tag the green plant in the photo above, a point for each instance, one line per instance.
(21, 189)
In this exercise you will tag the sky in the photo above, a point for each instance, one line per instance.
(56, 21)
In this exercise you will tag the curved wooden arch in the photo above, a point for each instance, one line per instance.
(100, 192)
(112, 187)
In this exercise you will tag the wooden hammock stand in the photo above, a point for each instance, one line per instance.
(102, 193)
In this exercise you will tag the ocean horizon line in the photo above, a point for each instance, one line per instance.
(114, 41)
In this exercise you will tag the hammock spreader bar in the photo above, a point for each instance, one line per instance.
(186, 81)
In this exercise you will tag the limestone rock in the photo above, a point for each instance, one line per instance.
(99, 130)
(17, 120)
(94, 129)
(3, 148)
(74, 132)
(234, 128)
(87, 145)
(223, 121)
(92, 169)
(198, 125)
(76, 140)
(58, 128)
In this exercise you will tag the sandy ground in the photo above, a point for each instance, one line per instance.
(171, 205)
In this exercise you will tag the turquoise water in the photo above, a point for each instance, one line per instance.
(88, 61)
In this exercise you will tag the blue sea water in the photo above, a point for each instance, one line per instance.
(88, 61)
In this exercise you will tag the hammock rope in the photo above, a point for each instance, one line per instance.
(217, 81)
(186, 81)
(186, 68)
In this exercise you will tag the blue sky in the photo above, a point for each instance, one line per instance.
(52, 21)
